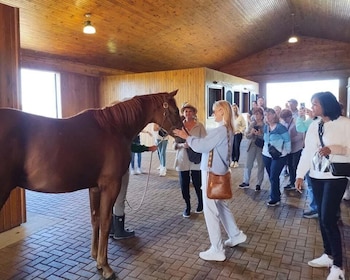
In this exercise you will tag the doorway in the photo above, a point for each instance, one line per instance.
(277, 94)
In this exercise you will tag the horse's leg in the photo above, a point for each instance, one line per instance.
(94, 194)
(108, 197)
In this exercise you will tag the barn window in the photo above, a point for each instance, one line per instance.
(40, 92)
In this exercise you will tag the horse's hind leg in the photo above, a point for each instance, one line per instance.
(94, 194)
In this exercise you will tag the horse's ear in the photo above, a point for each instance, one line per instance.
(173, 93)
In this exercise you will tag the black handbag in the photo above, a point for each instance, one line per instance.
(340, 169)
(337, 168)
(162, 132)
(259, 142)
(275, 154)
(194, 156)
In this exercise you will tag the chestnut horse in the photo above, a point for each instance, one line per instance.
(89, 150)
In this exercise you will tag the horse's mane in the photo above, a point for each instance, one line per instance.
(127, 113)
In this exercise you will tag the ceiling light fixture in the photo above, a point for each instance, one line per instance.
(88, 27)
(293, 39)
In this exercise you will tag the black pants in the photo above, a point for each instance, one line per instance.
(292, 162)
(328, 195)
(184, 177)
(236, 146)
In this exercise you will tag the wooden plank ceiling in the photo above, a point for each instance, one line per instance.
(156, 35)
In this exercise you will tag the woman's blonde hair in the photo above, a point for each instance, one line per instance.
(228, 113)
(235, 114)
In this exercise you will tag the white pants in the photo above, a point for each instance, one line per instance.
(119, 205)
(216, 211)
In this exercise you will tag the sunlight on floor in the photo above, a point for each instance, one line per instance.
(35, 222)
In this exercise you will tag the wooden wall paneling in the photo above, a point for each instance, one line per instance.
(78, 93)
(46, 62)
(13, 212)
(191, 83)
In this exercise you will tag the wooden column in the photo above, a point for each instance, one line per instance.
(13, 212)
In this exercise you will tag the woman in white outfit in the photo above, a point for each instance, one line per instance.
(328, 137)
(216, 211)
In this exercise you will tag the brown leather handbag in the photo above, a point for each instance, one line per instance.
(219, 186)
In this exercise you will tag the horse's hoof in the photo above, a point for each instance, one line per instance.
(112, 277)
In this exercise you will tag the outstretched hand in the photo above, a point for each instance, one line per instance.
(152, 148)
(180, 133)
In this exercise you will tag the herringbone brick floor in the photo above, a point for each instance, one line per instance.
(166, 246)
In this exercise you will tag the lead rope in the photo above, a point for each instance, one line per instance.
(165, 106)
(146, 186)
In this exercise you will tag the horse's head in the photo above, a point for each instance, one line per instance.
(168, 117)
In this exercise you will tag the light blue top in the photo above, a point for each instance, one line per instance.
(216, 139)
(302, 125)
(279, 137)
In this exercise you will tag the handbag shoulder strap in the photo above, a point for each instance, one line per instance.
(210, 159)
(211, 153)
(320, 133)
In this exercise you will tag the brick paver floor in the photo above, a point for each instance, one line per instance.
(166, 246)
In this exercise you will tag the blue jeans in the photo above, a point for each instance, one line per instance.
(328, 195)
(274, 168)
(132, 163)
(310, 194)
(161, 149)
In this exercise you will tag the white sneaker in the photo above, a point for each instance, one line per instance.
(346, 195)
(212, 255)
(232, 164)
(336, 273)
(323, 261)
(132, 172)
(235, 165)
(162, 171)
(238, 239)
(138, 170)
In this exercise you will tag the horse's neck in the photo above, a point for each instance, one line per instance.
(127, 121)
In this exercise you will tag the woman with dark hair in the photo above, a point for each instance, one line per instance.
(276, 137)
(327, 139)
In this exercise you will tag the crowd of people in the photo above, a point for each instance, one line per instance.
(295, 142)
